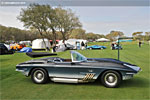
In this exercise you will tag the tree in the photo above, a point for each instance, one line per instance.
(67, 21)
(78, 34)
(99, 36)
(15, 34)
(39, 17)
(147, 36)
(91, 36)
(4, 34)
(137, 35)
(113, 35)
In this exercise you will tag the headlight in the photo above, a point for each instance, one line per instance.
(136, 68)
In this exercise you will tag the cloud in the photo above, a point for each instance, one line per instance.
(127, 27)
(95, 19)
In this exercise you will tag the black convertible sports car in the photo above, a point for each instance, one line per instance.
(5, 50)
(78, 69)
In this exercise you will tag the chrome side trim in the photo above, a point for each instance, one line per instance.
(64, 80)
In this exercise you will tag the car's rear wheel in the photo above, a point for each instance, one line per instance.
(111, 79)
(39, 76)
(90, 48)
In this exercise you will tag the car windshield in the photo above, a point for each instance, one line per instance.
(77, 57)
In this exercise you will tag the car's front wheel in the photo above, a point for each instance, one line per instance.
(111, 79)
(39, 76)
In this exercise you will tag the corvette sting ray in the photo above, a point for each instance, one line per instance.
(78, 69)
(96, 47)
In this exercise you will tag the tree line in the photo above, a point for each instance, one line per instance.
(15, 34)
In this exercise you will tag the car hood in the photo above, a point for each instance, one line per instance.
(109, 60)
(125, 64)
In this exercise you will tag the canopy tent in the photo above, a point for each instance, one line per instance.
(39, 44)
(52, 40)
(25, 42)
(125, 40)
(26, 49)
(73, 41)
(102, 40)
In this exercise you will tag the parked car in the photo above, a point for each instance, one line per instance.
(69, 46)
(5, 50)
(17, 46)
(96, 47)
(78, 69)
(8, 46)
(116, 47)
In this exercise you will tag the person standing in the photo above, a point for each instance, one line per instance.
(78, 45)
(112, 46)
(54, 49)
(140, 43)
(85, 46)
(82, 45)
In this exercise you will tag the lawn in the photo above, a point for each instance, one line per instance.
(14, 85)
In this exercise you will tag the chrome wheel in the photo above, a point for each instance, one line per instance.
(111, 79)
(38, 76)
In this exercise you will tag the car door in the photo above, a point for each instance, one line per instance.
(65, 70)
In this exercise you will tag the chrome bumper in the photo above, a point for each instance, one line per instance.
(23, 71)
(126, 77)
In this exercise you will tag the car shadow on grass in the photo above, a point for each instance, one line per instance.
(135, 82)
(3, 60)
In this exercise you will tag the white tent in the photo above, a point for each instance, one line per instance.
(73, 42)
(102, 40)
(39, 44)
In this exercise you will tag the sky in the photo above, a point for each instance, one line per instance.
(96, 19)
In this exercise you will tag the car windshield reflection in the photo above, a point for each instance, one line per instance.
(77, 57)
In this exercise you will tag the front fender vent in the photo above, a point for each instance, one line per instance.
(33, 63)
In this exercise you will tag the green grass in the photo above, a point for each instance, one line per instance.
(14, 85)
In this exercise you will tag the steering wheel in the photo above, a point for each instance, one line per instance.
(57, 60)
